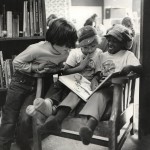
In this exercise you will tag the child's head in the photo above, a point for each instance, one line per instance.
(50, 18)
(61, 33)
(118, 38)
(128, 22)
(88, 39)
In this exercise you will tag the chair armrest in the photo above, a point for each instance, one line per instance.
(118, 83)
(39, 75)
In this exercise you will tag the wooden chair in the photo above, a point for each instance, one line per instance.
(36, 137)
(108, 130)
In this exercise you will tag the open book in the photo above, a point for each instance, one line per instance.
(81, 86)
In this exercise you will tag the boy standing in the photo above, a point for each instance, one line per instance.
(43, 57)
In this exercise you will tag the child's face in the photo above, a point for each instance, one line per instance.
(88, 49)
(61, 50)
(114, 45)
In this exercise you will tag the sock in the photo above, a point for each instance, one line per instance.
(92, 123)
(62, 113)
(86, 132)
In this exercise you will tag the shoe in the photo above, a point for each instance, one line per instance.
(51, 126)
(86, 135)
(44, 106)
(30, 110)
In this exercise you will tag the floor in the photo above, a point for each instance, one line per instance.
(58, 143)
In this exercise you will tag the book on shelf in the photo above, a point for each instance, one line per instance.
(8, 71)
(15, 25)
(37, 32)
(81, 86)
(1, 24)
(1, 59)
(1, 77)
(25, 18)
(31, 18)
(40, 17)
(9, 23)
(4, 27)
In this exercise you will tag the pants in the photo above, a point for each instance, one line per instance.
(20, 88)
(71, 100)
(24, 125)
(20, 94)
(95, 105)
(57, 92)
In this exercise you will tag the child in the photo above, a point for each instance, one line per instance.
(43, 57)
(118, 58)
(82, 60)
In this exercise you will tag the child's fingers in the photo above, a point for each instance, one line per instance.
(87, 56)
(42, 71)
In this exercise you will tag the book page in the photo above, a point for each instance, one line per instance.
(78, 84)
(81, 86)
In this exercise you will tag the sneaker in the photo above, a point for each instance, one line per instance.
(44, 106)
(86, 135)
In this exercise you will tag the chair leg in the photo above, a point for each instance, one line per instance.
(112, 145)
(132, 129)
(37, 144)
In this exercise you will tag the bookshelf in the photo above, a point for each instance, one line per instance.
(22, 22)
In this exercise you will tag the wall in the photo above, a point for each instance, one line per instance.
(72, 9)
(79, 14)
(87, 2)
(117, 9)
(59, 7)
(118, 3)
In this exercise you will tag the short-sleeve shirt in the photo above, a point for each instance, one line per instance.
(115, 62)
(76, 56)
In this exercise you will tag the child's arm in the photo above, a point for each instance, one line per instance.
(127, 69)
(95, 80)
(47, 68)
(69, 70)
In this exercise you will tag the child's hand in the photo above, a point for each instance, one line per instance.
(42, 66)
(84, 62)
(94, 84)
(51, 70)
(126, 70)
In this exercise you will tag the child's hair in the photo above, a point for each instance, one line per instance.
(90, 21)
(87, 35)
(50, 18)
(121, 33)
(127, 22)
(62, 33)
